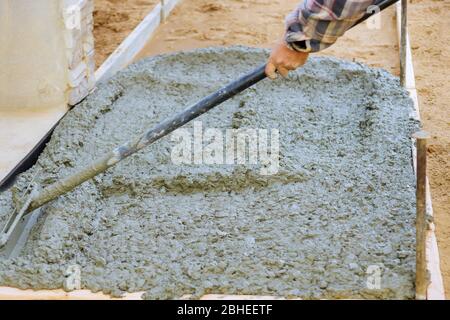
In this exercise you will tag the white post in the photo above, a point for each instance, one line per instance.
(403, 41)
(46, 53)
(46, 63)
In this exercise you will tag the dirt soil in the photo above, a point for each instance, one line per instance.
(113, 22)
(430, 40)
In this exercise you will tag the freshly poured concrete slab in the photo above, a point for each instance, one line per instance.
(341, 204)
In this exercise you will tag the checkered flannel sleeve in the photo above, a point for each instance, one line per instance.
(317, 24)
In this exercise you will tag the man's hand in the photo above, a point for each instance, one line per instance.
(283, 59)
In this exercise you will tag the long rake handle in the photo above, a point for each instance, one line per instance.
(162, 129)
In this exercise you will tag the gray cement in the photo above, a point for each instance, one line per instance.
(341, 204)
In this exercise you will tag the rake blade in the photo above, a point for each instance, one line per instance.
(19, 236)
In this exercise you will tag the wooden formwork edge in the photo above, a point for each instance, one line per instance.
(435, 289)
(7, 293)
(136, 40)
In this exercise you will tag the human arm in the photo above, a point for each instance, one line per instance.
(313, 26)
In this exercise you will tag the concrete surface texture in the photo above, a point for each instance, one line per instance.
(340, 207)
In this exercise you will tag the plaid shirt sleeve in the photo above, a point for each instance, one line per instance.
(317, 24)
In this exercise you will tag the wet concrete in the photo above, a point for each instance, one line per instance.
(339, 212)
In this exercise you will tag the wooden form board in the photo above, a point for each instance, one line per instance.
(134, 43)
(118, 60)
(435, 289)
(18, 294)
(7, 293)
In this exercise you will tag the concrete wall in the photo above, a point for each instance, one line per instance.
(46, 49)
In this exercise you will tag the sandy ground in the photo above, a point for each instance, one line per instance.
(260, 22)
(114, 20)
(430, 40)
